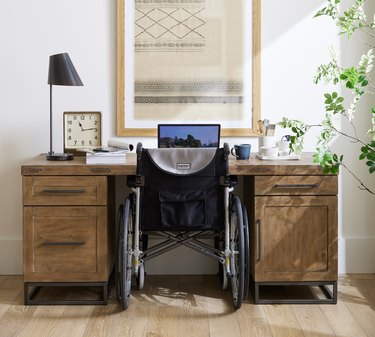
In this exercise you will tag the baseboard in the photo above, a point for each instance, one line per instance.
(11, 256)
(356, 255)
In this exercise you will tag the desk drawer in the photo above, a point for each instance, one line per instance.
(67, 190)
(296, 185)
(65, 243)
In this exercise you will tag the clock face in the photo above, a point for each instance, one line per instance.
(82, 130)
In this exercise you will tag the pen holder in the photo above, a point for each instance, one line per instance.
(266, 141)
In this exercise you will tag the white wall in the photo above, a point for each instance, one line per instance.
(293, 46)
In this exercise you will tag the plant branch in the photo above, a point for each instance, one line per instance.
(353, 127)
(356, 139)
(361, 184)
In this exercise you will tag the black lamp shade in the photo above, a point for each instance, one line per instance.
(62, 72)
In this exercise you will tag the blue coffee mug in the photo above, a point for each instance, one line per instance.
(241, 151)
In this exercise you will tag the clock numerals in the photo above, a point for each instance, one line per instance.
(82, 130)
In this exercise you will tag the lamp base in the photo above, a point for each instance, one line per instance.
(59, 156)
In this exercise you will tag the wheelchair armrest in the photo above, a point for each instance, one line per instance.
(139, 147)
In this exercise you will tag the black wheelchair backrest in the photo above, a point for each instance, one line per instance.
(182, 187)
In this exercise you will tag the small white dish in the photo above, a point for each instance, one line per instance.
(288, 157)
(266, 151)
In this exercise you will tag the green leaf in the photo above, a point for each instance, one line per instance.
(349, 85)
(340, 100)
(362, 156)
(369, 163)
(326, 170)
(364, 149)
(373, 109)
(364, 83)
(328, 101)
(343, 77)
(316, 158)
(372, 169)
(334, 95)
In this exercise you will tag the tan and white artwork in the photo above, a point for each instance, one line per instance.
(191, 61)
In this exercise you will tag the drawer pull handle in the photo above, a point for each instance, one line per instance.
(58, 191)
(64, 243)
(296, 185)
(259, 236)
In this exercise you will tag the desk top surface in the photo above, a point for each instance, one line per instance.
(253, 166)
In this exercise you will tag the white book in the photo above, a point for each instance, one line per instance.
(107, 156)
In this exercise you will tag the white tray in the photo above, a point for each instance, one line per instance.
(289, 157)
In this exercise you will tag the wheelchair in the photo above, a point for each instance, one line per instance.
(182, 196)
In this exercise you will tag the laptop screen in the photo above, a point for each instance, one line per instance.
(188, 135)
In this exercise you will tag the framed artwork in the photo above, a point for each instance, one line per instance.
(188, 61)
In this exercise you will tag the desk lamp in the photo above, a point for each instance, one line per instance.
(61, 72)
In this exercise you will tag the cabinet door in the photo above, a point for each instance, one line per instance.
(295, 238)
(65, 244)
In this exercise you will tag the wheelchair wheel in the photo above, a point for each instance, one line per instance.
(237, 248)
(223, 277)
(140, 278)
(124, 261)
(247, 253)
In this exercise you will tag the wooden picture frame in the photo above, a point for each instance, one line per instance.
(124, 115)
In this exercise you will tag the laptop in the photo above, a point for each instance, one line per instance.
(188, 135)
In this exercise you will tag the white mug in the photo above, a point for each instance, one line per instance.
(283, 147)
(266, 141)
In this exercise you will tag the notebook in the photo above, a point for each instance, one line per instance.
(188, 135)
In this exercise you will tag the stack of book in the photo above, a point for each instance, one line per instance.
(106, 156)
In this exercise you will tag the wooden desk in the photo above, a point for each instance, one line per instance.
(253, 166)
(69, 224)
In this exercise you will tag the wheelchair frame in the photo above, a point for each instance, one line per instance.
(132, 251)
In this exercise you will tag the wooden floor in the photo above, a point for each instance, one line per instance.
(190, 306)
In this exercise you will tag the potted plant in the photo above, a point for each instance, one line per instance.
(358, 81)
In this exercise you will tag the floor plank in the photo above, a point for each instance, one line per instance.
(283, 322)
(357, 295)
(11, 292)
(312, 320)
(191, 306)
(252, 321)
